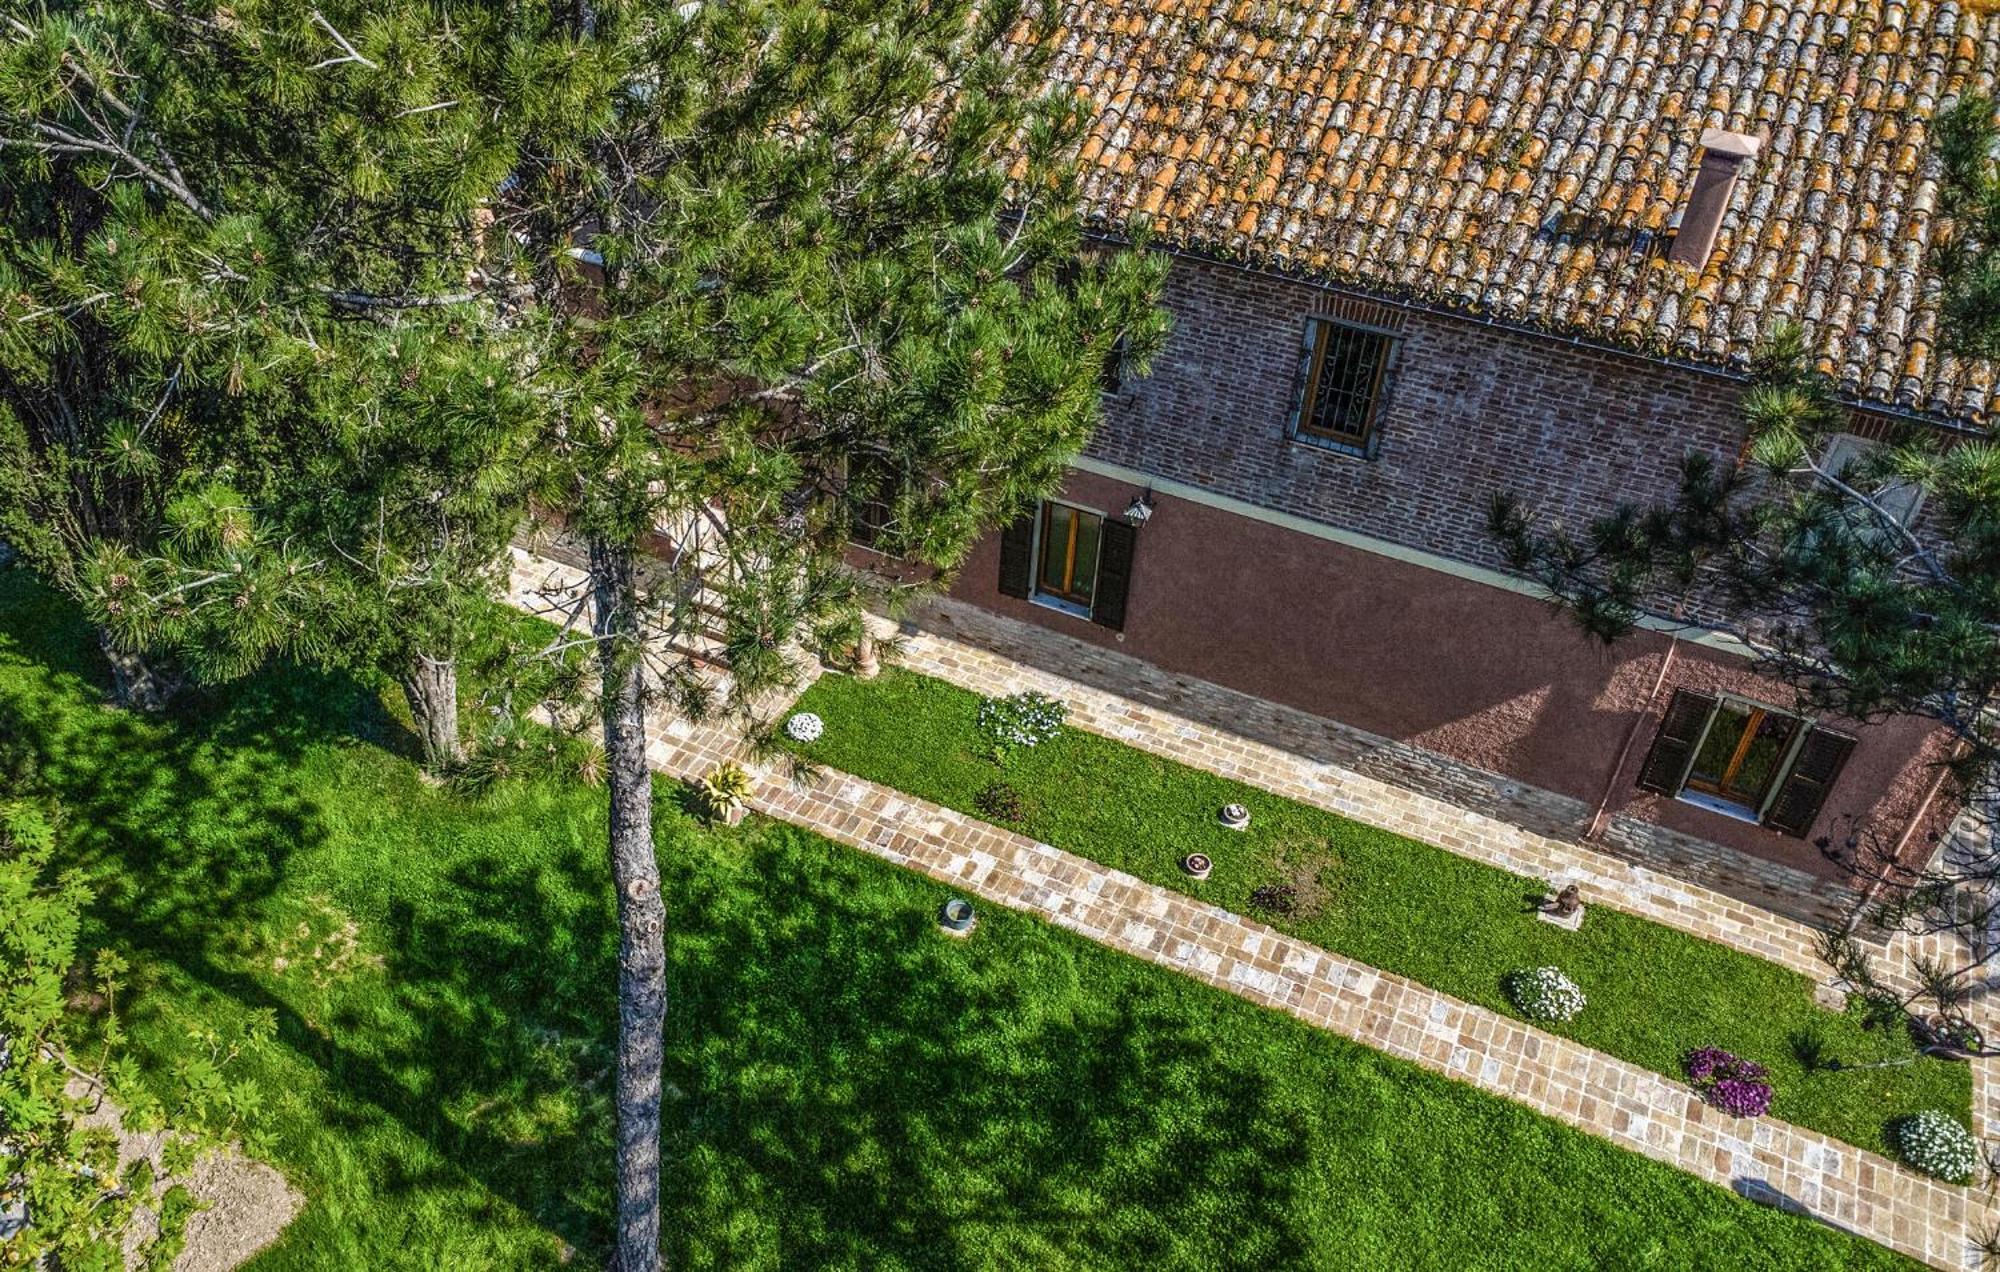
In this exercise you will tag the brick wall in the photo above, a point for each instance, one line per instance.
(1468, 411)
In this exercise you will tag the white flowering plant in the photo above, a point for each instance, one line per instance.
(1545, 994)
(804, 726)
(1938, 1144)
(1019, 721)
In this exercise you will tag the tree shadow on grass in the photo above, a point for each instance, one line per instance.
(915, 1100)
(845, 1085)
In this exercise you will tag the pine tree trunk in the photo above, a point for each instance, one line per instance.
(136, 681)
(635, 873)
(431, 686)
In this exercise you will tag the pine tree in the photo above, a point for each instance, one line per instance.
(786, 258)
(240, 409)
(1803, 555)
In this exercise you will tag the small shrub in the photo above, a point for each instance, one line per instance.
(1545, 994)
(1276, 898)
(1019, 721)
(1737, 1086)
(1809, 1048)
(725, 789)
(1000, 802)
(1938, 1144)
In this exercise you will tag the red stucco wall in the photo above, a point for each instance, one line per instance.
(1485, 676)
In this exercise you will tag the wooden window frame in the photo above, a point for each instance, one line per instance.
(1064, 601)
(1717, 801)
(1322, 328)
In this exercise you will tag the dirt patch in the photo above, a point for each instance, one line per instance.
(324, 946)
(1308, 872)
(248, 1205)
(245, 1204)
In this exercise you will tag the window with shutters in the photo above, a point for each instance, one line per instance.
(1070, 559)
(1066, 555)
(868, 486)
(1744, 759)
(1341, 386)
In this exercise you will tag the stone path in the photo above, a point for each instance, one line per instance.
(1629, 1106)
(955, 642)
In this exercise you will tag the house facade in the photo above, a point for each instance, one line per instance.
(1427, 254)
(1342, 565)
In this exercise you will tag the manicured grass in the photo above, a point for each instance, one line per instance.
(1449, 922)
(847, 1088)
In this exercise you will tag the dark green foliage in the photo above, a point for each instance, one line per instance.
(847, 1088)
(57, 1068)
(1444, 920)
(1967, 255)
(212, 427)
(1000, 802)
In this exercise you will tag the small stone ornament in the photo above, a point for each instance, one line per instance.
(1197, 865)
(1234, 816)
(1564, 909)
(804, 726)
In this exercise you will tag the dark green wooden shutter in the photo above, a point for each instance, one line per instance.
(1017, 558)
(1800, 796)
(1301, 388)
(1114, 574)
(1673, 746)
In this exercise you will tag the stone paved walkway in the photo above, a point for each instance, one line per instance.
(971, 648)
(1629, 1106)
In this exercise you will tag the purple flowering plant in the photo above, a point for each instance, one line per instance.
(1729, 1082)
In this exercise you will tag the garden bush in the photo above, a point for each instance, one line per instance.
(1938, 1144)
(1000, 802)
(1020, 720)
(1544, 994)
(1727, 1081)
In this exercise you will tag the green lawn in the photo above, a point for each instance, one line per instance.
(847, 1087)
(1452, 923)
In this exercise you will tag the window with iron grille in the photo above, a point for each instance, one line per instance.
(1341, 385)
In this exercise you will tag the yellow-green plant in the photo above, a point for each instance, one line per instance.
(725, 789)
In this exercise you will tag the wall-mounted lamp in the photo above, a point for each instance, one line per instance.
(1140, 511)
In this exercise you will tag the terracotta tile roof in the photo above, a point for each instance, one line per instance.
(1520, 159)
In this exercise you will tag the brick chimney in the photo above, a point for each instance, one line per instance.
(1721, 154)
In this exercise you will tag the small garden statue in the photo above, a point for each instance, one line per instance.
(1568, 901)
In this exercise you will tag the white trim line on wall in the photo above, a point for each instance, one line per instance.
(1379, 547)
